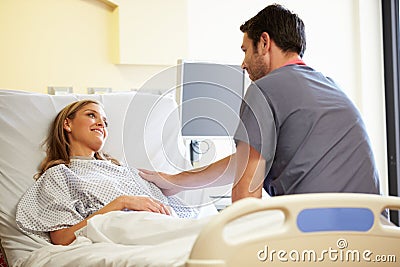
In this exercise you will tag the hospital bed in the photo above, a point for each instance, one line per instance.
(313, 229)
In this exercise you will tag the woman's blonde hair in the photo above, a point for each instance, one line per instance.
(57, 144)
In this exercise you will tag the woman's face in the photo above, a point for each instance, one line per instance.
(87, 131)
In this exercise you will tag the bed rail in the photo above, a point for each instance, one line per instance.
(326, 229)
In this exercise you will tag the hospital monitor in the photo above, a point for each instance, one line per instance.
(209, 97)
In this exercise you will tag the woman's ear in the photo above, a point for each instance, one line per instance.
(66, 125)
(264, 43)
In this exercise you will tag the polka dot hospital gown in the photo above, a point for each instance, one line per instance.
(63, 196)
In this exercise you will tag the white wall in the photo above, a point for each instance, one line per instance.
(344, 42)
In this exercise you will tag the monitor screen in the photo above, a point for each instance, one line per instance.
(209, 96)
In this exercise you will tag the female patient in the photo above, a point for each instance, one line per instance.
(77, 180)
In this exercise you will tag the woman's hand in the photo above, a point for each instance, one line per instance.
(139, 203)
(162, 180)
(142, 203)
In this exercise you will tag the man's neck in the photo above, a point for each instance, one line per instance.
(280, 59)
(285, 60)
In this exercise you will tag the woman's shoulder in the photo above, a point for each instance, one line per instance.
(50, 181)
(53, 172)
(56, 168)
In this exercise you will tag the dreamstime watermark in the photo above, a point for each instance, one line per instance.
(339, 254)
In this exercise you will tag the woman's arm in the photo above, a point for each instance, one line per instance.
(65, 236)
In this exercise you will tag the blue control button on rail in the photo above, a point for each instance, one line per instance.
(335, 219)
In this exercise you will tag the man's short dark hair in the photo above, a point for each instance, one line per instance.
(283, 26)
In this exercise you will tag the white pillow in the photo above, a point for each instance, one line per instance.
(148, 136)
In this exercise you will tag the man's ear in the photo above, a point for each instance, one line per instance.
(66, 125)
(264, 43)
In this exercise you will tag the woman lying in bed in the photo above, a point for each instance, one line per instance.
(77, 180)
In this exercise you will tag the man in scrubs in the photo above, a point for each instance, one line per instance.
(298, 131)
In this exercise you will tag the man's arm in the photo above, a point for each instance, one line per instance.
(216, 174)
(250, 172)
(245, 168)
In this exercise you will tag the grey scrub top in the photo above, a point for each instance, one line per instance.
(309, 132)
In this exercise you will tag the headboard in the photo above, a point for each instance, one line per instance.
(144, 132)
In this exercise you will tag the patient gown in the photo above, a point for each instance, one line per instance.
(65, 195)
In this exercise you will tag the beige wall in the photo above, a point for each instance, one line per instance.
(63, 43)
(77, 43)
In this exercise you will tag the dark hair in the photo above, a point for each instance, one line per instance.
(283, 26)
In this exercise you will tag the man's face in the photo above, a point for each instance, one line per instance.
(255, 62)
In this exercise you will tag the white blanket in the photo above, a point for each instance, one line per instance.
(125, 239)
(141, 239)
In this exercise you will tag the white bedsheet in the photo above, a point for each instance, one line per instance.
(140, 239)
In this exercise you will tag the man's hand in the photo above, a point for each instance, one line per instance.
(218, 173)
